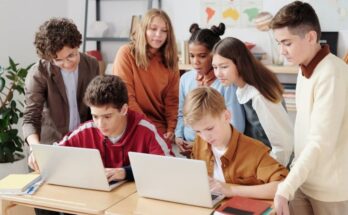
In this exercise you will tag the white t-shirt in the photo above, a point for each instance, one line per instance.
(218, 173)
(70, 82)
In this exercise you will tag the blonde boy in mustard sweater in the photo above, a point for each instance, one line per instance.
(238, 165)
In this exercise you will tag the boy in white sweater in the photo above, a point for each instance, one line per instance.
(318, 180)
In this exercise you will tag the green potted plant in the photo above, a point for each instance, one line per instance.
(11, 82)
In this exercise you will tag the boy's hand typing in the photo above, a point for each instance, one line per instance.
(217, 186)
(115, 174)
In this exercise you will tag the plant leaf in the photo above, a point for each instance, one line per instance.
(28, 67)
(2, 83)
(12, 80)
(4, 137)
(22, 73)
(13, 104)
(13, 65)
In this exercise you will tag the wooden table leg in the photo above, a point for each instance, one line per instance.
(6, 206)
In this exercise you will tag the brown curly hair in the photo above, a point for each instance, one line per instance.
(106, 90)
(53, 35)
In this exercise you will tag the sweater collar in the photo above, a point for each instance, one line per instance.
(205, 80)
(246, 93)
(307, 71)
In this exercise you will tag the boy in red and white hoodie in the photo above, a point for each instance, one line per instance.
(115, 130)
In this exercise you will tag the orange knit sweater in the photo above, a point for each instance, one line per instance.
(153, 92)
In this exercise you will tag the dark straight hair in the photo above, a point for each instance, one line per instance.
(249, 68)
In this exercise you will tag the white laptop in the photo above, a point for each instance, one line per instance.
(172, 179)
(72, 166)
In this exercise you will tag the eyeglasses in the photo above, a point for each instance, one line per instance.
(70, 58)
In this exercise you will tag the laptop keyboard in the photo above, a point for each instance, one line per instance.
(213, 197)
(112, 182)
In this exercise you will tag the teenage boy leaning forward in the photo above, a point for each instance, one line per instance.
(317, 182)
(237, 165)
(115, 130)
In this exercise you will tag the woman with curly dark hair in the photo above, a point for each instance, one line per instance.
(55, 85)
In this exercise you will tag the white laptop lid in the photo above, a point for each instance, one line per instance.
(172, 179)
(72, 166)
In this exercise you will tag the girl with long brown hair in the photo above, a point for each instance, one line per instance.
(260, 93)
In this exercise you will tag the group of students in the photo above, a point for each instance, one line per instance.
(228, 110)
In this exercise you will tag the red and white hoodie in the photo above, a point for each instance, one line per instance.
(140, 136)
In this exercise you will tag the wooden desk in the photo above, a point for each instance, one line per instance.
(144, 206)
(70, 200)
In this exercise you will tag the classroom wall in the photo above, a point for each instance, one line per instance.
(16, 38)
(19, 19)
(185, 12)
(116, 14)
(327, 13)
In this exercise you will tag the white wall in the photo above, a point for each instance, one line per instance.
(183, 16)
(185, 12)
(116, 14)
(19, 20)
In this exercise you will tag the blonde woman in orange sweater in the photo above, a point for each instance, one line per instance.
(149, 67)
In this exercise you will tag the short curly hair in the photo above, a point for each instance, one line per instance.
(53, 35)
(106, 90)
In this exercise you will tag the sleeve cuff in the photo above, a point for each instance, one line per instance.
(285, 191)
(129, 173)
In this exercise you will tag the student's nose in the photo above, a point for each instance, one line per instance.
(282, 49)
(158, 33)
(204, 136)
(99, 123)
(217, 72)
(195, 61)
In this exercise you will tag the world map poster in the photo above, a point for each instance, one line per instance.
(233, 13)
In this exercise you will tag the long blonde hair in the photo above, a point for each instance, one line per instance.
(140, 47)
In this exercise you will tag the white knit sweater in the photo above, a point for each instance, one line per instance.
(321, 134)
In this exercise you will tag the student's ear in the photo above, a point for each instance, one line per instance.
(312, 37)
(227, 115)
(124, 109)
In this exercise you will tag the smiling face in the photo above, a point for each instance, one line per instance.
(226, 71)
(200, 58)
(67, 59)
(214, 130)
(295, 48)
(156, 33)
(109, 120)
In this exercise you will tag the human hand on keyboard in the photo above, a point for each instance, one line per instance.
(115, 174)
(217, 186)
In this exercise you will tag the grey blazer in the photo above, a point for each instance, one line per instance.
(46, 110)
